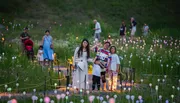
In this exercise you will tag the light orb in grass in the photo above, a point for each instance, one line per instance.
(55, 84)
(58, 97)
(173, 87)
(101, 98)
(141, 80)
(104, 102)
(33, 97)
(156, 88)
(13, 101)
(107, 96)
(163, 80)
(46, 99)
(70, 102)
(9, 89)
(55, 91)
(82, 100)
(158, 80)
(62, 96)
(91, 98)
(34, 90)
(5, 86)
(137, 101)
(67, 93)
(52, 101)
(87, 91)
(178, 88)
(17, 84)
(139, 97)
(167, 101)
(97, 97)
(41, 100)
(160, 97)
(132, 97)
(111, 100)
(165, 76)
(24, 93)
(172, 96)
(115, 96)
(127, 97)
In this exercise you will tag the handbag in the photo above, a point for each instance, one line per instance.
(81, 65)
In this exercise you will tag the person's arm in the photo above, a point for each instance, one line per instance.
(125, 30)
(42, 42)
(75, 55)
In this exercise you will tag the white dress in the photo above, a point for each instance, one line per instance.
(40, 55)
(80, 76)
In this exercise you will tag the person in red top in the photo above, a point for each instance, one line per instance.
(28, 44)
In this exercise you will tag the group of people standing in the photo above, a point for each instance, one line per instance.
(105, 62)
(45, 51)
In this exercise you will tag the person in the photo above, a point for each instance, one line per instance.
(96, 74)
(47, 42)
(80, 59)
(145, 29)
(123, 31)
(104, 55)
(40, 55)
(133, 27)
(97, 29)
(114, 69)
(23, 37)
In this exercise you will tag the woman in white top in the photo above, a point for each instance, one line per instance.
(80, 74)
(114, 69)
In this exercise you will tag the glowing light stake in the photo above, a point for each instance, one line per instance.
(97, 98)
(172, 96)
(101, 98)
(5, 86)
(156, 88)
(81, 92)
(9, 90)
(158, 81)
(129, 89)
(160, 98)
(66, 99)
(63, 96)
(74, 93)
(17, 85)
(128, 98)
(24, 93)
(87, 95)
(140, 98)
(132, 98)
(34, 90)
(107, 97)
(55, 91)
(173, 87)
(115, 96)
(55, 84)
(58, 97)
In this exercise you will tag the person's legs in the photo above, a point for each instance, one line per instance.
(115, 76)
(93, 82)
(103, 80)
(98, 36)
(98, 83)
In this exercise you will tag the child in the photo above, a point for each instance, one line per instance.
(40, 55)
(114, 68)
(96, 74)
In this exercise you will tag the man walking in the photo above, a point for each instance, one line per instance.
(97, 29)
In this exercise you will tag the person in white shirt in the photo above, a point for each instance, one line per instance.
(40, 55)
(145, 29)
(97, 30)
(114, 69)
(96, 74)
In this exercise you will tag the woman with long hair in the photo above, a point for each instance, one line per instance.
(80, 74)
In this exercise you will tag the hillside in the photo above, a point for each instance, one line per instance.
(158, 13)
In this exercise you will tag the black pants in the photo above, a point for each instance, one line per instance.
(103, 77)
(96, 80)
